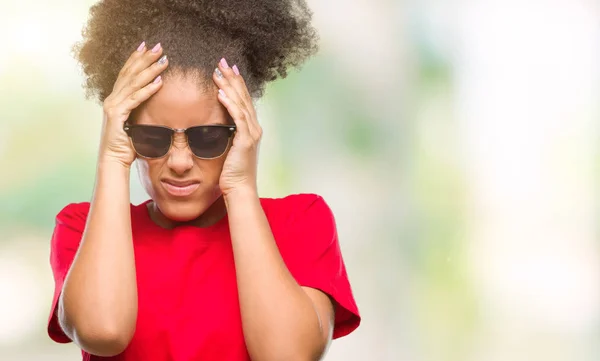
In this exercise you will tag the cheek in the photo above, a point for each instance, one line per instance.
(146, 172)
(210, 170)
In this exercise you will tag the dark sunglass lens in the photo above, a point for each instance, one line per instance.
(208, 141)
(150, 141)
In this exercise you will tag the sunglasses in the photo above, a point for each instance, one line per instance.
(154, 141)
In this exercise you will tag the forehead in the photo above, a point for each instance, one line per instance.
(182, 103)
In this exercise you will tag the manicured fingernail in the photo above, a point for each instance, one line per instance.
(141, 47)
(236, 70)
(157, 80)
(222, 92)
(219, 74)
(155, 48)
(224, 63)
(162, 60)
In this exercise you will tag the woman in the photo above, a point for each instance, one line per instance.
(205, 269)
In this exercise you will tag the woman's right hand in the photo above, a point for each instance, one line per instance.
(137, 81)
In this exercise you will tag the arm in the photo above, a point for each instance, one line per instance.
(98, 305)
(281, 320)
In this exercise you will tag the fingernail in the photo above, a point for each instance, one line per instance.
(224, 63)
(157, 80)
(222, 92)
(162, 60)
(155, 48)
(236, 70)
(141, 47)
(219, 74)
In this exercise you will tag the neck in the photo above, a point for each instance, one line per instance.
(211, 216)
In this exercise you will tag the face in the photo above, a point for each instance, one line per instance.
(181, 104)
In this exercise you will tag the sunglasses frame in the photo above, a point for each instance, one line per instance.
(128, 127)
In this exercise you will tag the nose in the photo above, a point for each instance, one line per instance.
(180, 156)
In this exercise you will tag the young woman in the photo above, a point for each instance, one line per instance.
(205, 269)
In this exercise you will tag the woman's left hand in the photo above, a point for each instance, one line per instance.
(239, 169)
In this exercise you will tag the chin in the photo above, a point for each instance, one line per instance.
(185, 210)
(181, 211)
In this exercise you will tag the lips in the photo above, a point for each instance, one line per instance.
(180, 188)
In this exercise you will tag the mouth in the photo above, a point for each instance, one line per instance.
(180, 189)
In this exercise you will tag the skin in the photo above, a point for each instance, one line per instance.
(98, 307)
(181, 104)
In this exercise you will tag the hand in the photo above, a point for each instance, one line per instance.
(137, 81)
(239, 169)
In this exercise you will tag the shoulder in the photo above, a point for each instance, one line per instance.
(301, 220)
(73, 214)
(74, 210)
(70, 224)
(293, 203)
(297, 207)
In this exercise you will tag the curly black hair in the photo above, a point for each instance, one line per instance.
(264, 38)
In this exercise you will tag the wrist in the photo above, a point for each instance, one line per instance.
(111, 171)
(240, 194)
(112, 164)
(112, 178)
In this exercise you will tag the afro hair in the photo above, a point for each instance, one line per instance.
(264, 38)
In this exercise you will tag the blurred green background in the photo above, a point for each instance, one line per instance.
(455, 142)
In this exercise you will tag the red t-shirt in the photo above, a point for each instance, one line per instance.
(187, 294)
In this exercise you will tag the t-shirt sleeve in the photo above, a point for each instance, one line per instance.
(70, 223)
(314, 258)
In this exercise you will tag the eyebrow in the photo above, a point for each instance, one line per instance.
(227, 121)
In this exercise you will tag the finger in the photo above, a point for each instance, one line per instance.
(221, 80)
(138, 53)
(138, 63)
(144, 78)
(141, 95)
(141, 49)
(239, 117)
(238, 82)
(232, 75)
